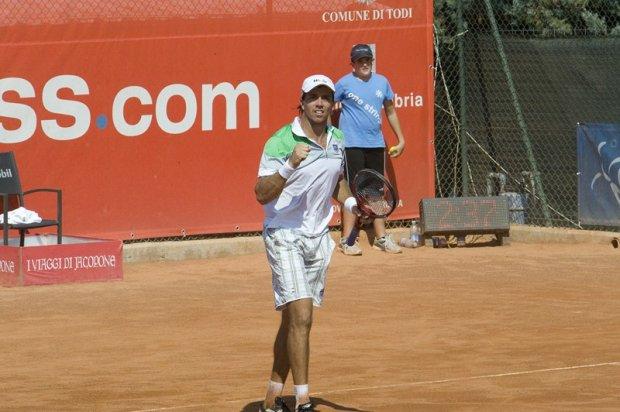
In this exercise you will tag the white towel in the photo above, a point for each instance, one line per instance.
(21, 215)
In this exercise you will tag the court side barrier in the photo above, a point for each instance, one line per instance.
(243, 245)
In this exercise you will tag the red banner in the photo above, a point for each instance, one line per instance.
(152, 122)
(10, 260)
(42, 262)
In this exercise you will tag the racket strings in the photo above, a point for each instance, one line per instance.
(377, 199)
(375, 196)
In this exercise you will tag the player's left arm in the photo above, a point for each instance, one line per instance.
(392, 117)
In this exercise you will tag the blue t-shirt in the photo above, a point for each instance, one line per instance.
(362, 102)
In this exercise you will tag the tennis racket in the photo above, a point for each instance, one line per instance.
(376, 198)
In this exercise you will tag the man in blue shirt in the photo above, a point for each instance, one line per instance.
(360, 96)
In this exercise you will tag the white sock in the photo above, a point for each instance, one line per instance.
(274, 389)
(301, 392)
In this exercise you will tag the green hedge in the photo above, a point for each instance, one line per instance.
(540, 18)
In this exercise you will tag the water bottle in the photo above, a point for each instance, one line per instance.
(416, 233)
(415, 236)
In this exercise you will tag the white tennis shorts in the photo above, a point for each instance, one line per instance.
(298, 264)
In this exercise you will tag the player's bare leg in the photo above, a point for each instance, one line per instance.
(298, 343)
(281, 366)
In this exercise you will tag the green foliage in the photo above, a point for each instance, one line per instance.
(593, 22)
(544, 18)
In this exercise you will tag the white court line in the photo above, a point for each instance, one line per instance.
(468, 378)
(398, 385)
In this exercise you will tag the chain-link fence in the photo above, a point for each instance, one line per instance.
(513, 79)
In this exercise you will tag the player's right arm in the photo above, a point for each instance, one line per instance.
(269, 187)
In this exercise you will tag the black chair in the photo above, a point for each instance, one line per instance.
(13, 197)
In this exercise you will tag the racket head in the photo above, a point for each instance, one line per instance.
(375, 195)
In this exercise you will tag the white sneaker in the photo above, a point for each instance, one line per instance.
(353, 250)
(386, 244)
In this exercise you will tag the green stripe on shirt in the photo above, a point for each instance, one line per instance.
(281, 144)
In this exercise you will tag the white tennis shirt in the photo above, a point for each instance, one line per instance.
(305, 202)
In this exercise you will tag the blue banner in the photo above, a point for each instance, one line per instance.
(598, 154)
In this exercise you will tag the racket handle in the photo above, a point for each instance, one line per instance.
(353, 236)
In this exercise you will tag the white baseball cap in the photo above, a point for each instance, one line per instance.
(317, 80)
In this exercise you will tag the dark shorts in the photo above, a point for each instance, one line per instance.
(359, 158)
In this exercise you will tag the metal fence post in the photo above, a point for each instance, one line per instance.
(462, 99)
(519, 112)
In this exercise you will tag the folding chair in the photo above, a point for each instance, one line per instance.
(13, 197)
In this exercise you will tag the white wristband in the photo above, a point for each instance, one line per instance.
(350, 204)
(286, 170)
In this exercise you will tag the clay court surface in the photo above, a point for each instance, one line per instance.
(518, 327)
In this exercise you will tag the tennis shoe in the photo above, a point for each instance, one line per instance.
(306, 407)
(278, 406)
(386, 244)
(353, 250)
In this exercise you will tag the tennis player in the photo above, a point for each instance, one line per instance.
(360, 95)
(301, 169)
